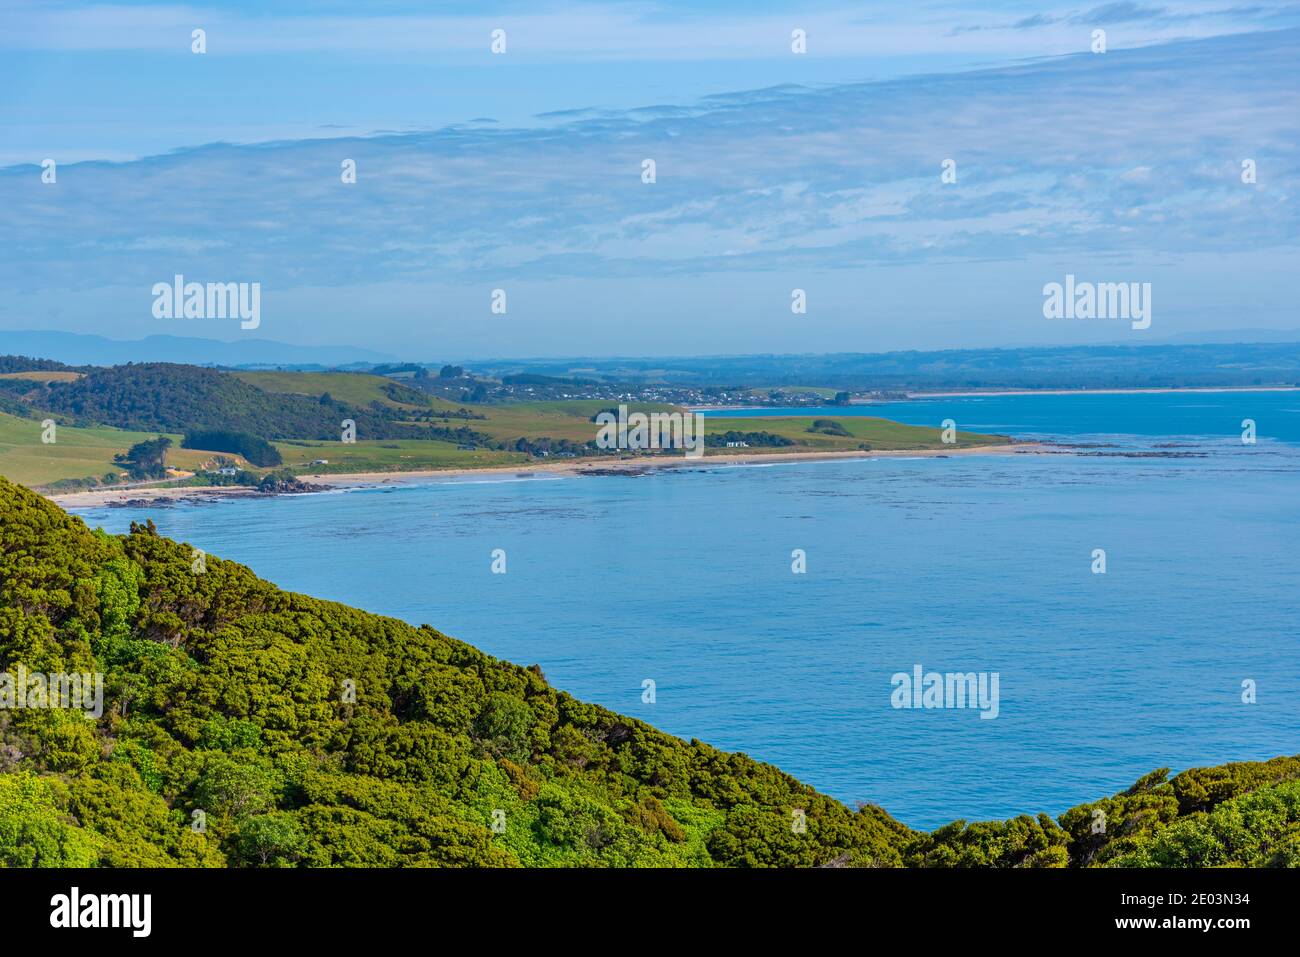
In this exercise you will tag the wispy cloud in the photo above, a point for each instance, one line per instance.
(1136, 150)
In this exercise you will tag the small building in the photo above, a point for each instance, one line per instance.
(229, 470)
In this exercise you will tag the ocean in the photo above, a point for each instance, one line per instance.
(967, 565)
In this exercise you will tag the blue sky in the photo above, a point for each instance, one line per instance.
(774, 171)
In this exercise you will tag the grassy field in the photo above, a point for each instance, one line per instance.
(76, 453)
(394, 455)
(42, 376)
(505, 423)
(358, 388)
(879, 434)
(556, 420)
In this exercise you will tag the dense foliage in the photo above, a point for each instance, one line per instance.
(28, 364)
(1244, 814)
(248, 726)
(165, 397)
(253, 448)
(752, 439)
(147, 459)
(828, 427)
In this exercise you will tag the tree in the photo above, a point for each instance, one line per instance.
(234, 788)
(269, 840)
(503, 725)
(146, 460)
(34, 831)
(253, 448)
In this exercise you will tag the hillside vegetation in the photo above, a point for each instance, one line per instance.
(247, 726)
(164, 397)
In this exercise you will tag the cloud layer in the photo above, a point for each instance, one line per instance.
(1133, 151)
(1132, 157)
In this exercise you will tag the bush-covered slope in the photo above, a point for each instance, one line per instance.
(226, 695)
(165, 397)
(230, 736)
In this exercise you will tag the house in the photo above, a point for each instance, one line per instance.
(229, 470)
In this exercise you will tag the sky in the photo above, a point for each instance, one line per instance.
(523, 171)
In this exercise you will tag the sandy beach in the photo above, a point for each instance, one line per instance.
(97, 498)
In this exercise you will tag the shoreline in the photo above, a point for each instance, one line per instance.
(342, 481)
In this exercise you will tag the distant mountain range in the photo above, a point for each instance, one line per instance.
(1169, 364)
(77, 349)
(1061, 367)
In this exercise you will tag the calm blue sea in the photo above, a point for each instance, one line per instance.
(1126, 416)
(957, 564)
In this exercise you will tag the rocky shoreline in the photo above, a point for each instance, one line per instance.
(216, 493)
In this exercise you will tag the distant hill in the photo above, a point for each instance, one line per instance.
(1066, 367)
(1213, 359)
(77, 349)
(166, 397)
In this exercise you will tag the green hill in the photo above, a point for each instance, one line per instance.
(165, 397)
(245, 725)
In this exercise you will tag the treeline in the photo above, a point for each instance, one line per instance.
(253, 448)
(545, 445)
(28, 364)
(1234, 815)
(463, 435)
(145, 460)
(755, 439)
(828, 427)
(166, 397)
(414, 397)
(247, 726)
